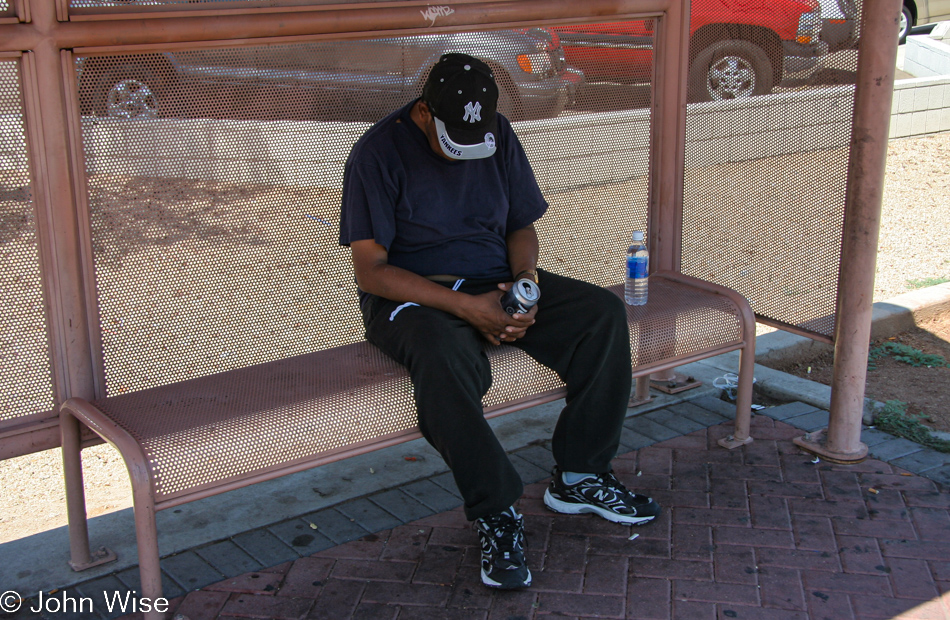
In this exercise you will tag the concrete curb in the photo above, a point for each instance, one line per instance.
(807, 403)
(890, 317)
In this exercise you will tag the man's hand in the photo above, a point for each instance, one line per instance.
(484, 312)
(521, 321)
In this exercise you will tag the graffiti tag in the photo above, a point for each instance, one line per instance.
(434, 12)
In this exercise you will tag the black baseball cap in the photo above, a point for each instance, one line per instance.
(462, 96)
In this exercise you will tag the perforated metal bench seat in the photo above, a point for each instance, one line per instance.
(211, 434)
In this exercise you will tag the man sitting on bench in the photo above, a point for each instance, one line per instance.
(438, 208)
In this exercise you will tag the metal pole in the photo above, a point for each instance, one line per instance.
(668, 162)
(668, 139)
(641, 392)
(59, 238)
(877, 51)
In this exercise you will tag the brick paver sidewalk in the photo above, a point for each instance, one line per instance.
(758, 533)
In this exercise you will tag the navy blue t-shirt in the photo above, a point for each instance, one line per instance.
(433, 215)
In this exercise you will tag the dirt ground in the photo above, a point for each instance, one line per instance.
(925, 390)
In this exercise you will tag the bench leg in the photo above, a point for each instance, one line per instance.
(641, 393)
(146, 538)
(80, 556)
(740, 434)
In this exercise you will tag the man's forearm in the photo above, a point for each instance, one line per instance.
(401, 285)
(523, 250)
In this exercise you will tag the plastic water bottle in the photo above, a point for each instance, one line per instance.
(638, 264)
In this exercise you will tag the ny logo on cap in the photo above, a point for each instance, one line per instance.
(473, 113)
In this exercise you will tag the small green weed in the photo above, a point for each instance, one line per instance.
(906, 354)
(895, 420)
(925, 282)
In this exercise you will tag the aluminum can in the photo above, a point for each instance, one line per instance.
(521, 297)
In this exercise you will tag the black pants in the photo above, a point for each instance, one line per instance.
(580, 332)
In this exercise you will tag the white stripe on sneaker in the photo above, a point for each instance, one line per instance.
(571, 508)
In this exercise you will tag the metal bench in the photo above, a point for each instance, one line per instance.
(205, 436)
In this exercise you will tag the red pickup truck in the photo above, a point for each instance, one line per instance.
(738, 48)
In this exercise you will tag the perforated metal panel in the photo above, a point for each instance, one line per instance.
(25, 379)
(593, 167)
(310, 404)
(678, 322)
(320, 404)
(214, 184)
(765, 174)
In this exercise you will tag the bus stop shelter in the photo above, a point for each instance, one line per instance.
(141, 141)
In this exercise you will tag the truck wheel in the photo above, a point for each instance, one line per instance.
(729, 69)
(907, 22)
(130, 92)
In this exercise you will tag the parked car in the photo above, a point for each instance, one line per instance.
(919, 12)
(839, 24)
(366, 78)
(737, 48)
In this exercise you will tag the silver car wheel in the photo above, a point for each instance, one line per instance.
(131, 99)
(730, 78)
(905, 24)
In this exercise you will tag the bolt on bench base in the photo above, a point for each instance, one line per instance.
(815, 443)
(636, 402)
(675, 383)
(98, 557)
(730, 442)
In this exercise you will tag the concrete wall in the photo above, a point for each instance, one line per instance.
(768, 126)
(926, 56)
(303, 154)
(921, 106)
(597, 148)
(615, 145)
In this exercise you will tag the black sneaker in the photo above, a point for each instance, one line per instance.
(502, 538)
(603, 495)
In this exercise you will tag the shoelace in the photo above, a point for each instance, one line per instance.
(611, 481)
(505, 529)
(612, 484)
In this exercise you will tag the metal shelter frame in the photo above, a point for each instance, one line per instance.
(42, 35)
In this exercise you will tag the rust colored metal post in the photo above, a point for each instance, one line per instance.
(80, 556)
(668, 160)
(59, 240)
(75, 493)
(841, 441)
(60, 234)
(741, 432)
(641, 392)
(668, 139)
(146, 539)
